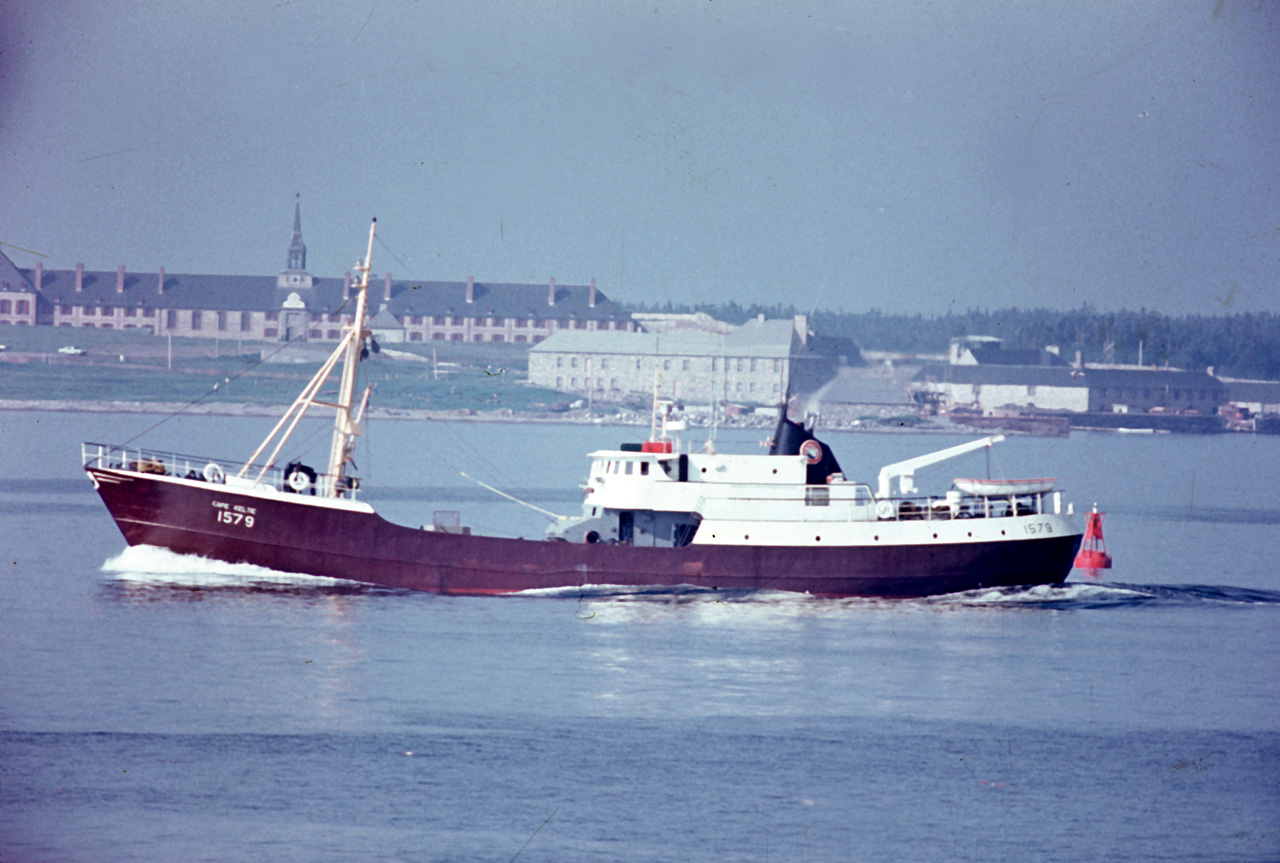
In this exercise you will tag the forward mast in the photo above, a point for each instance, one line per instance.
(346, 427)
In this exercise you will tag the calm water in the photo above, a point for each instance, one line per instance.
(157, 708)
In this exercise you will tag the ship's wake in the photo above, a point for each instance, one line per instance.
(1082, 595)
(147, 565)
(1069, 596)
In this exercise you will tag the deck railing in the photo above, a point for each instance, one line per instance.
(861, 503)
(955, 505)
(218, 471)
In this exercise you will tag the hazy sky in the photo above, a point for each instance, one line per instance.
(907, 156)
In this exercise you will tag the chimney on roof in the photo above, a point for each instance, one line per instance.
(160, 283)
(120, 279)
(386, 293)
(551, 293)
(1209, 371)
(471, 289)
(592, 300)
(79, 278)
(801, 325)
(39, 274)
(1079, 363)
(346, 285)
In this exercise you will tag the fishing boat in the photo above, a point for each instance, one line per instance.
(655, 515)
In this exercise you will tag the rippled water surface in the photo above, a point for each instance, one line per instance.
(154, 707)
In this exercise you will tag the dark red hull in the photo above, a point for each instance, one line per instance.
(289, 536)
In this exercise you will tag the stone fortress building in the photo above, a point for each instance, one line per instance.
(296, 305)
(690, 357)
(984, 376)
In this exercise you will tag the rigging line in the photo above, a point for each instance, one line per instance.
(383, 365)
(391, 252)
(215, 388)
(466, 443)
(535, 833)
(307, 442)
(999, 466)
(466, 446)
(365, 443)
(548, 513)
(443, 460)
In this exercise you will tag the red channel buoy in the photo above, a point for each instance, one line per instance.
(1093, 551)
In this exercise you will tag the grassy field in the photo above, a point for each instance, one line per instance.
(130, 366)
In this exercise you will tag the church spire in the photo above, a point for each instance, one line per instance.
(295, 275)
(297, 250)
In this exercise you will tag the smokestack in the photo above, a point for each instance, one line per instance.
(160, 282)
(551, 293)
(39, 274)
(386, 293)
(592, 301)
(471, 289)
(346, 285)
(79, 278)
(120, 279)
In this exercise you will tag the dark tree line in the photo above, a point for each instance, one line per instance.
(1242, 345)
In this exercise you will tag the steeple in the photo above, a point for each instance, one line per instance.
(295, 274)
(297, 250)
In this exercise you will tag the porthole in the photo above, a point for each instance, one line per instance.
(746, 536)
(935, 536)
(876, 538)
(817, 539)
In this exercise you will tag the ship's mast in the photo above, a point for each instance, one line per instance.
(345, 426)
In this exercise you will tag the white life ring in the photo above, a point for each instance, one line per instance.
(298, 481)
(884, 509)
(812, 451)
(213, 473)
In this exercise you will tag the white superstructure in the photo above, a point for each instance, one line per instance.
(656, 497)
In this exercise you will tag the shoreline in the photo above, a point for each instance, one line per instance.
(247, 409)
(506, 415)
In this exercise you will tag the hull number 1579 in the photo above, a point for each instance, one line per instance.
(227, 514)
